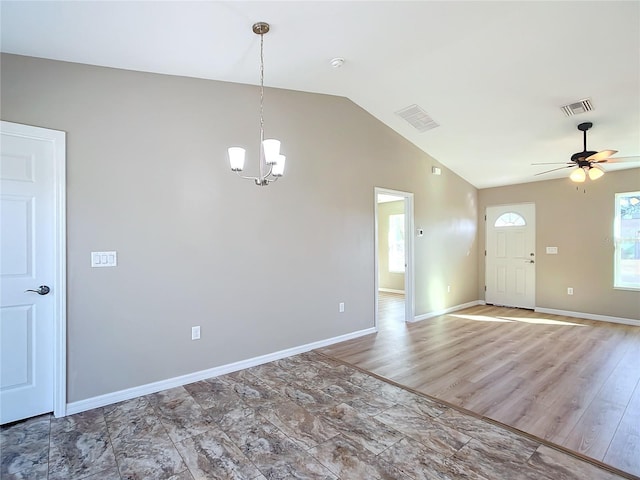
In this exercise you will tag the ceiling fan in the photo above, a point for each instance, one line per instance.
(585, 163)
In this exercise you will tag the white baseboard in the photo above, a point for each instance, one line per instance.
(129, 393)
(590, 316)
(390, 290)
(437, 313)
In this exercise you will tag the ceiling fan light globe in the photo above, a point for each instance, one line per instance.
(595, 173)
(578, 175)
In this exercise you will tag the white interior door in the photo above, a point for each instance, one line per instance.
(28, 249)
(510, 255)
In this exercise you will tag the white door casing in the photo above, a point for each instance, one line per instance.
(32, 244)
(409, 252)
(510, 255)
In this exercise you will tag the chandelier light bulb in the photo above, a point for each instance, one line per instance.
(278, 167)
(271, 148)
(236, 158)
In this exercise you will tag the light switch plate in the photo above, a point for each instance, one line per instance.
(104, 259)
(552, 250)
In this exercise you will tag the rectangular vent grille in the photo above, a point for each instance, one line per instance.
(418, 118)
(576, 108)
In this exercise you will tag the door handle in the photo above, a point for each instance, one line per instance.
(529, 261)
(42, 290)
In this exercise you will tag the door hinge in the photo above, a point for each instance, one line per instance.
(485, 218)
(485, 288)
(485, 253)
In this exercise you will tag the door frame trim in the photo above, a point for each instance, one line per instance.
(409, 280)
(60, 345)
(58, 140)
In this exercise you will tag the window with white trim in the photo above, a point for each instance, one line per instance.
(396, 243)
(627, 241)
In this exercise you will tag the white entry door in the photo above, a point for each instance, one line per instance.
(510, 255)
(28, 243)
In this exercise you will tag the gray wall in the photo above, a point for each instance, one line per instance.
(581, 226)
(386, 278)
(259, 269)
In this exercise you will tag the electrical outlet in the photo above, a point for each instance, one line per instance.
(341, 307)
(195, 333)
(570, 291)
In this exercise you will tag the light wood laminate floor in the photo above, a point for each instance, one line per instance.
(569, 381)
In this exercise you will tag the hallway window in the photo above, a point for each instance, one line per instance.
(627, 241)
(396, 243)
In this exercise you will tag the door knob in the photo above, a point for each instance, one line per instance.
(42, 290)
(530, 261)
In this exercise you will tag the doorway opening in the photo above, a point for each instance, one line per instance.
(394, 304)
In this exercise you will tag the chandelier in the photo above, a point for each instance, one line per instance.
(271, 162)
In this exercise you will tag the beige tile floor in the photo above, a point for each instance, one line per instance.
(304, 417)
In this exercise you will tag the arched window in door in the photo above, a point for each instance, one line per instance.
(510, 219)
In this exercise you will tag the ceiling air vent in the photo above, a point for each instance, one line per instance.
(576, 108)
(418, 118)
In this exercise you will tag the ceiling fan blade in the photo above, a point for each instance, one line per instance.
(596, 157)
(554, 163)
(554, 169)
(620, 160)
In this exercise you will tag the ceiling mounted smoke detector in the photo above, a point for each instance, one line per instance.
(337, 62)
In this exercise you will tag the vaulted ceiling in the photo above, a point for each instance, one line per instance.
(492, 75)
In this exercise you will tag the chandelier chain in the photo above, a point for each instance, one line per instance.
(261, 88)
